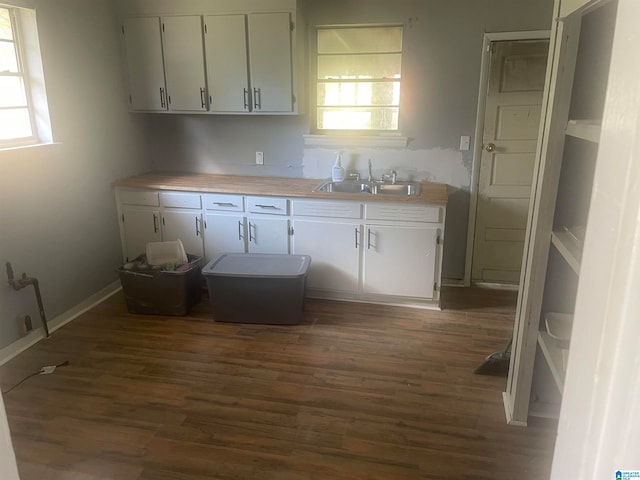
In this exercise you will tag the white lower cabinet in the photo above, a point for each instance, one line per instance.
(224, 233)
(185, 226)
(362, 251)
(400, 260)
(267, 235)
(140, 226)
(335, 253)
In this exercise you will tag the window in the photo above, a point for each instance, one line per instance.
(16, 116)
(358, 78)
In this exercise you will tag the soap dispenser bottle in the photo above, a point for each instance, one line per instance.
(337, 172)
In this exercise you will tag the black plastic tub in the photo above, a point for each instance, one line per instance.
(159, 292)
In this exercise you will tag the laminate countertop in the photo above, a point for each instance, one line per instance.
(430, 193)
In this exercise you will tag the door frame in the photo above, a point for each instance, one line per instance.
(477, 144)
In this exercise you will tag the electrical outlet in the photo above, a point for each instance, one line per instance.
(259, 158)
(465, 141)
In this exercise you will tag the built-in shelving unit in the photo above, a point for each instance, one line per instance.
(584, 129)
(552, 352)
(582, 49)
(568, 248)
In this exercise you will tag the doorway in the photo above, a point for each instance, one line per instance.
(511, 106)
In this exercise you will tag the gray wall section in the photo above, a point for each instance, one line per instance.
(57, 211)
(440, 78)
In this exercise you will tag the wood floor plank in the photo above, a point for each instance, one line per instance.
(356, 391)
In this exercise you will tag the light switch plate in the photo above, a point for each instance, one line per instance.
(259, 158)
(465, 140)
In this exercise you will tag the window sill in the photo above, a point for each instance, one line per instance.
(355, 141)
(9, 148)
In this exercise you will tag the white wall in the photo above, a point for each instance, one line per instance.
(57, 213)
(440, 75)
(8, 468)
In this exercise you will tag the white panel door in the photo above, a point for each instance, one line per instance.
(335, 253)
(400, 260)
(140, 227)
(268, 235)
(184, 226)
(145, 67)
(184, 62)
(227, 68)
(512, 121)
(270, 61)
(224, 233)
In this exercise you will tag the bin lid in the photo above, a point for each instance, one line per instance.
(263, 265)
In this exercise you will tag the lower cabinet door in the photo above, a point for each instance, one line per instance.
(185, 226)
(268, 235)
(224, 234)
(335, 253)
(400, 260)
(140, 226)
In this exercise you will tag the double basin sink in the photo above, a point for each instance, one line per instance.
(371, 188)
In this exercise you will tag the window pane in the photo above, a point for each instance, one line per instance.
(15, 123)
(8, 59)
(358, 93)
(360, 40)
(12, 92)
(360, 66)
(5, 25)
(373, 118)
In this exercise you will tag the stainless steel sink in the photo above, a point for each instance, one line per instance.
(371, 188)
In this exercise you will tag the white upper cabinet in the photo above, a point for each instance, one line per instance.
(145, 67)
(184, 63)
(270, 59)
(227, 67)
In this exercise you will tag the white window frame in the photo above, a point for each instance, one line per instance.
(326, 137)
(16, 27)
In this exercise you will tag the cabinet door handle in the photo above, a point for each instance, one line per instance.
(197, 227)
(155, 223)
(368, 239)
(257, 99)
(251, 237)
(356, 236)
(162, 102)
(203, 98)
(240, 237)
(246, 98)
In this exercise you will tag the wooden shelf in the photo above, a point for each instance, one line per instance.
(584, 129)
(568, 248)
(553, 354)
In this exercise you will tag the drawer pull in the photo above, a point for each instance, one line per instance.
(270, 207)
(224, 204)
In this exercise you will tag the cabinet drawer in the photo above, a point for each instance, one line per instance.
(228, 203)
(404, 213)
(269, 205)
(312, 208)
(180, 200)
(149, 199)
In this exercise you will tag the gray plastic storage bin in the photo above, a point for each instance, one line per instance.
(257, 288)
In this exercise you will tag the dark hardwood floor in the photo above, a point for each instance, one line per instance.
(355, 392)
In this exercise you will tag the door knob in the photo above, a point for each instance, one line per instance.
(490, 147)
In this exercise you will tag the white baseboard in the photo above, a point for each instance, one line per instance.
(509, 414)
(453, 282)
(33, 337)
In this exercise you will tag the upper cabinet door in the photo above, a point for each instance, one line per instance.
(184, 62)
(227, 69)
(270, 60)
(143, 47)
